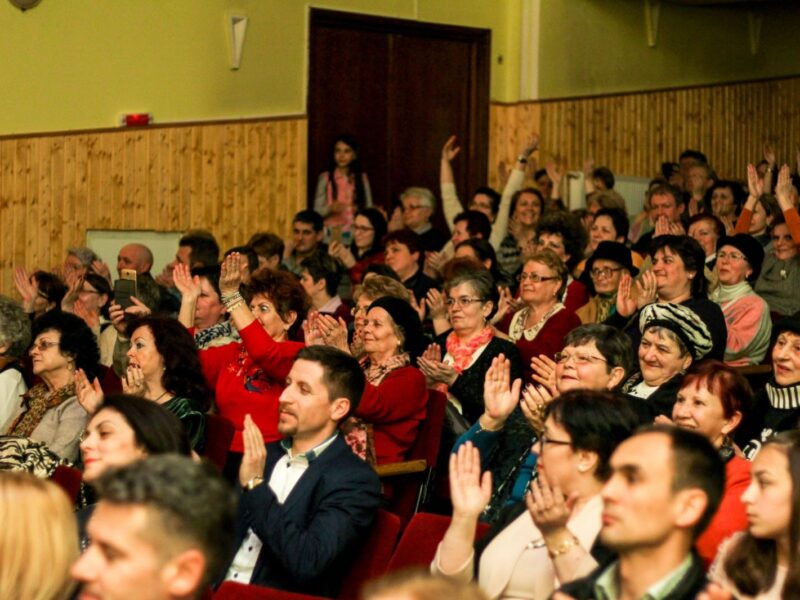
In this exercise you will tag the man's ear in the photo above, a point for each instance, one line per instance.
(340, 407)
(182, 575)
(690, 504)
(319, 235)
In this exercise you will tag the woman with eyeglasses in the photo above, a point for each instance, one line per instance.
(50, 411)
(549, 539)
(540, 326)
(738, 264)
(604, 270)
(369, 227)
(458, 360)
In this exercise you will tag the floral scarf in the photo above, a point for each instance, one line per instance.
(38, 401)
(357, 432)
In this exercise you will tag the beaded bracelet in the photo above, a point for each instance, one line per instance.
(231, 300)
(563, 547)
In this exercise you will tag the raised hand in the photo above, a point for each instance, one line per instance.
(755, 185)
(254, 458)
(133, 382)
(419, 307)
(554, 172)
(230, 277)
(769, 154)
(188, 286)
(626, 304)
(646, 289)
(73, 291)
(470, 491)
(437, 371)
(165, 277)
(500, 396)
(550, 509)
(730, 226)
(342, 252)
(334, 332)
(544, 372)
(27, 287)
(783, 187)
(92, 319)
(311, 333)
(534, 403)
(450, 150)
(434, 261)
(396, 221)
(531, 145)
(435, 303)
(504, 304)
(90, 395)
(102, 269)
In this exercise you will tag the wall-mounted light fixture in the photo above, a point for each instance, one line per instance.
(24, 5)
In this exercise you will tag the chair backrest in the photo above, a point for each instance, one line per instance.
(418, 544)
(430, 431)
(219, 433)
(374, 556)
(231, 590)
(69, 479)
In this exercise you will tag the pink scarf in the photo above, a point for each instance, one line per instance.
(462, 352)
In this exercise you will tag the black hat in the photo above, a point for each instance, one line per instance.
(407, 319)
(750, 247)
(615, 252)
(790, 324)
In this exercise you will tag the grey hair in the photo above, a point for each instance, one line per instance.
(421, 193)
(83, 254)
(15, 328)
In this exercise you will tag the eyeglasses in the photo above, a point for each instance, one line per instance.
(411, 207)
(563, 358)
(89, 292)
(729, 256)
(534, 277)
(357, 310)
(42, 346)
(607, 272)
(363, 228)
(463, 302)
(546, 440)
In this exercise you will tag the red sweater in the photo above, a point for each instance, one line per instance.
(249, 378)
(395, 408)
(730, 516)
(548, 341)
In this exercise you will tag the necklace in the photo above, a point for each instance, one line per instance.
(160, 397)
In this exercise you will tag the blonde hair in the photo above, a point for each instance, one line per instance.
(38, 538)
(551, 260)
(377, 286)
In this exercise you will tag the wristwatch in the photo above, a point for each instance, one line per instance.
(252, 483)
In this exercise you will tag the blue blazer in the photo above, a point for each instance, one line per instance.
(311, 540)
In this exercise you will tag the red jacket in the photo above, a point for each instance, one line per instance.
(548, 341)
(395, 408)
(730, 516)
(249, 378)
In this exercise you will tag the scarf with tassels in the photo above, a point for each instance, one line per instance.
(37, 401)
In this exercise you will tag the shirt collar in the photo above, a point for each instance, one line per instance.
(607, 585)
(309, 455)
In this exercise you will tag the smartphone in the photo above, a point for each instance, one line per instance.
(125, 287)
(336, 233)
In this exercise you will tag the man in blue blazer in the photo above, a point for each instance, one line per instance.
(308, 500)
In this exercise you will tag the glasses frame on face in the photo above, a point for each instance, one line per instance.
(411, 207)
(463, 302)
(727, 256)
(535, 277)
(605, 272)
(42, 346)
(544, 439)
(579, 358)
(364, 228)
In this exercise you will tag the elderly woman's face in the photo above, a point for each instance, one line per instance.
(722, 202)
(544, 290)
(557, 458)
(583, 367)
(660, 357)
(467, 310)
(706, 235)
(264, 310)
(732, 266)
(786, 358)
(108, 442)
(46, 357)
(605, 276)
(378, 332)
(700, 409)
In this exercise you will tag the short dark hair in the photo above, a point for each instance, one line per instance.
(155, 429)
(183, 375)
(719, 228)
(694, 155)
(667, 189)
(249, 253)
(692, 255)
(572, 233)
(612, 344)
(15, 328)
(324, 266)
(408, 238)
(492, 194)
(50, 286)
(696, 464)
(77, 340)
(527, 190)
(605, 175)
(184, 500)
(342, 375)
(266, 244)
(481, 281)
(204, 248)
(309, 217)
(618, 219)
(211, 274)
(378, 223)
(595, 421)
(739, 195)
(285, 292)
(477, 223)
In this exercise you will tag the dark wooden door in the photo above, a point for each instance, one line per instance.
(401, 87)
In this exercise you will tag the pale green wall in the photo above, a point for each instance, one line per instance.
(75, 64)
(599, 46)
